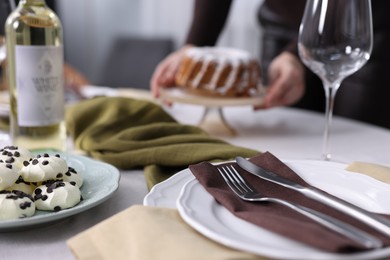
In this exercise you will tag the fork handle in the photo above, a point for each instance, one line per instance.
(334, 224)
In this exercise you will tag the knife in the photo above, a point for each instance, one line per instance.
(375, 221)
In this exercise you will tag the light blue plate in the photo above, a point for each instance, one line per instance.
(101, 180)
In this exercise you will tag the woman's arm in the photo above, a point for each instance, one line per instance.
(208, 20)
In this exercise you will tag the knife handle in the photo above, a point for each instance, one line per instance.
(338, 226)
(375, 221)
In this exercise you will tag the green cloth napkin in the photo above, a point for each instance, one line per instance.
(131, 133)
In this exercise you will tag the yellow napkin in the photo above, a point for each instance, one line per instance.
(376, 171)
(148, 233)
(132, 133)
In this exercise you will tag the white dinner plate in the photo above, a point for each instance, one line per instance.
(101, 180)
(199, 209)
(176, 94)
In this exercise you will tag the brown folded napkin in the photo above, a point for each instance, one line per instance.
(140, 232)
(277, 218)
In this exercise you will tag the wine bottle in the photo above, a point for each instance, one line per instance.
(36, 77)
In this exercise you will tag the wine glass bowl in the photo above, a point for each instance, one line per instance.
(335, 40)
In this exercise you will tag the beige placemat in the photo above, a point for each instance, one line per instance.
(148, 233)
(376, 171)
(141, 232)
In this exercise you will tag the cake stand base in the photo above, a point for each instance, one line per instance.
(214, 123)
(213, 120)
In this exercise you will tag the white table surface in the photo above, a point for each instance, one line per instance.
(287, 133)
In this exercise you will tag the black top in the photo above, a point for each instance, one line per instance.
(363, 95)
(5, 10)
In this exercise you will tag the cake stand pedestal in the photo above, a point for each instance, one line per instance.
(213, 120)
(214, 123)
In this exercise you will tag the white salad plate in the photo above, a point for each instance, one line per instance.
(199, 209)
(101, 180)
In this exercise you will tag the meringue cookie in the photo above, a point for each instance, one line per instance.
(43, 168)
(24, 186)
(8, 174)
(72, 176)
(16, 204)
(15, 154)
(56, 195)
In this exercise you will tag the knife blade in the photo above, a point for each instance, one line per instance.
(375, 221)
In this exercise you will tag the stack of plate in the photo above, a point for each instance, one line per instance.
(199, 209)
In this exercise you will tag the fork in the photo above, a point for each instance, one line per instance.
(247, 192)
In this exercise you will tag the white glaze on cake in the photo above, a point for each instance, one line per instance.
(43, 168)
(56, 195)
(15, 205)
(222, 57)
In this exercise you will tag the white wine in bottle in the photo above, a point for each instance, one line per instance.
(35, 77)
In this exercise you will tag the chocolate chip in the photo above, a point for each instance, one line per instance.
(72, 170)
(25, 205)
(45, 162)
(10, 160)
(35, 161)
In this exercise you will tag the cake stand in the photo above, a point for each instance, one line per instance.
(213, 120)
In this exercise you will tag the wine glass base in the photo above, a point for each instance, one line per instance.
(327, 157)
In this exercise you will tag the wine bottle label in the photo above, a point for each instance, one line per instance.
(39, 85)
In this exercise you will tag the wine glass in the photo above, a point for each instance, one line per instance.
(335, 40)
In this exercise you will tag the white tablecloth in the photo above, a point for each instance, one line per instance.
(288, 133)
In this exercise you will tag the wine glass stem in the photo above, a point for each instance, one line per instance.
(330, 93)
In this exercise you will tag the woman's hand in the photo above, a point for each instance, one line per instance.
(73, 78)
(165, 72)
(286, 81)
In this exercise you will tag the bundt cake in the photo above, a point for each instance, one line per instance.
(219, 71)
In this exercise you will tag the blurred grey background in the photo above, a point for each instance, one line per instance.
(118, 43)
